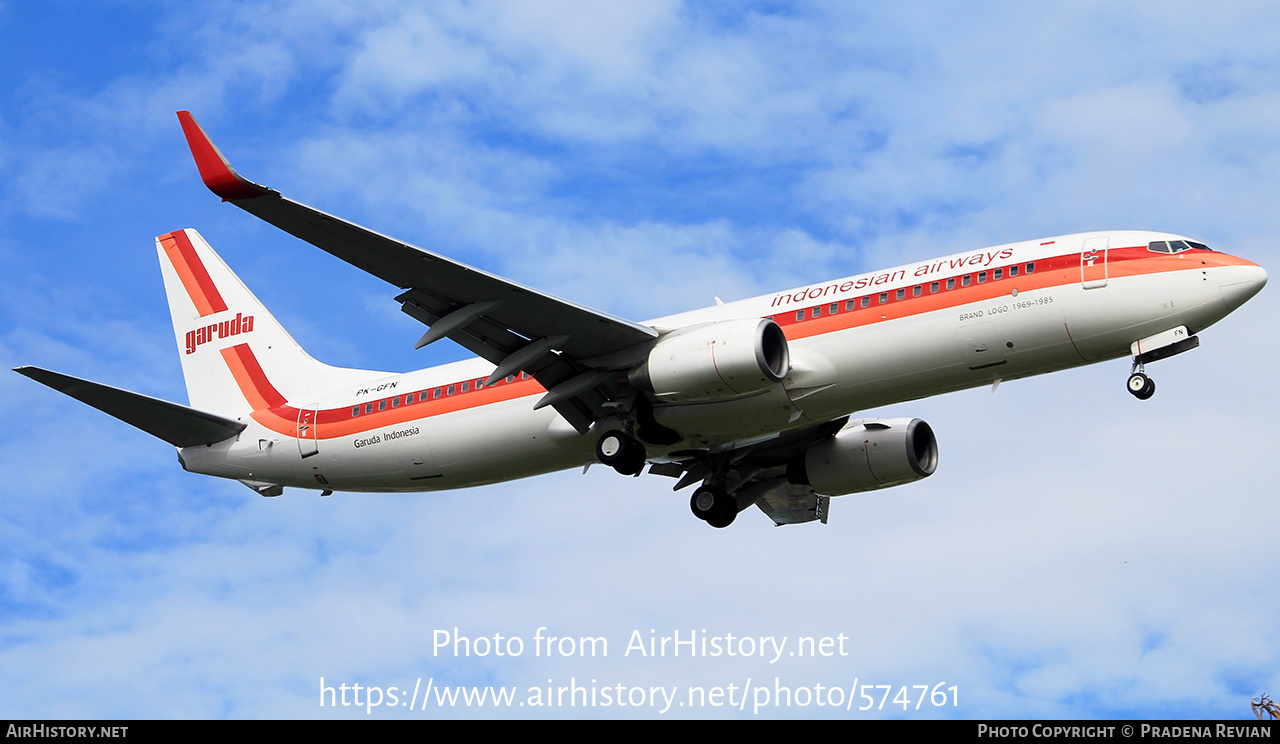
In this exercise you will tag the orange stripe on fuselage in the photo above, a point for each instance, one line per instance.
(338, 422)
(273, 411)
(269, 407)
(191, 271)
(1054, 271)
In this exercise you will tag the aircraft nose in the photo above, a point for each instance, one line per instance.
(1239, 283)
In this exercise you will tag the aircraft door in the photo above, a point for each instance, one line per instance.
(307, 445)
(1093, 263)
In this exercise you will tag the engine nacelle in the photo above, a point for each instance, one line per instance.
(715, 361)
(866, 455)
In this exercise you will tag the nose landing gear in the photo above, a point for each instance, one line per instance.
(1141, 386)
(1152, 349)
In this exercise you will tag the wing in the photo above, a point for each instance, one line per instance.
(573, 351)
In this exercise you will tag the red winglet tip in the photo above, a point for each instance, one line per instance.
(216, 172)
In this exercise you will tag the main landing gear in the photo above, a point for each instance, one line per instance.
(714, 505)
(1141, 386)
(621, 452)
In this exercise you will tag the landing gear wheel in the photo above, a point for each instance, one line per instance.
(714, 506)
(620, 452)
(1141, 386)
(703, 502)
(611, 447)
(723, 519)
(634, 463)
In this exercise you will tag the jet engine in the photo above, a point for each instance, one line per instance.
(866, 455)
(715, 361)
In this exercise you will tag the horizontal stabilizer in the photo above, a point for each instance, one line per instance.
(176, 424)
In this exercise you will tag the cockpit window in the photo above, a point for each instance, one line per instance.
(1175, 246)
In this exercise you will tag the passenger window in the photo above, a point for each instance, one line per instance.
(466, 386)
(524, 375)
(835, 307)
(1013, 271)
(355, 411)
(422, 397)
(1031, 267)
(479, 384)
(395, 402)
(799, 315)
(815, 312)
(933, 288)
(902, 293)
(982, 277)
(449, 391)
(511, 379)
(951, 283)
(884, 297)
(435, 393)
(408, 399)
(999, 273)
(964, 280)
(382, 405)
(368, 407)
(866, 301)
(916, 292)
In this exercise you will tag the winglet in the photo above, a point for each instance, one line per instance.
(217, 173)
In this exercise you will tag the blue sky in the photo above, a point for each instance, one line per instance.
(1078, 554)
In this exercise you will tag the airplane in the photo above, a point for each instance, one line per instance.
(753, 401)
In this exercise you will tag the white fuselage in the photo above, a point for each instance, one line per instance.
(875, 339)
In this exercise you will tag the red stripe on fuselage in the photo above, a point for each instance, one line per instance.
(273, 411)
(1050, 272)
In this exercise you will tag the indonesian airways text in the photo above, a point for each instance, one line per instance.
(982, 259)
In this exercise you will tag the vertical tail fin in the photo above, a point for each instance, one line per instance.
(236, 357)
